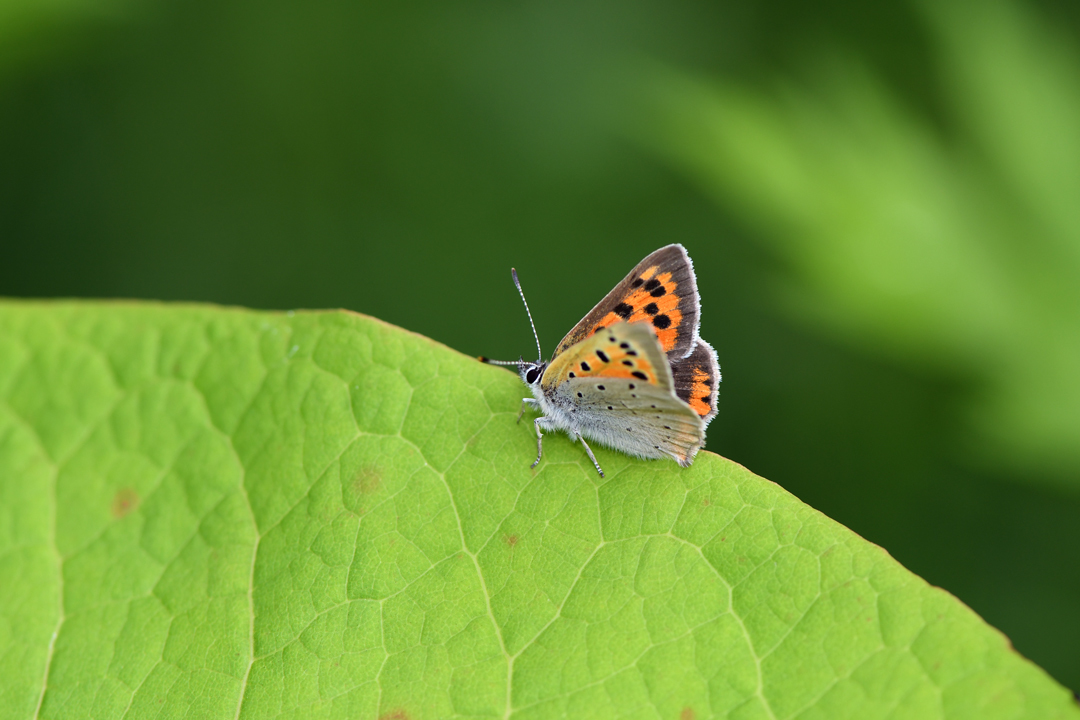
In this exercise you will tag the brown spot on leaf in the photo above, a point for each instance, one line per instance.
(687, 714)
(510, 540)
(368, 480)
(395, 715)
(705, 502)
(125, 500)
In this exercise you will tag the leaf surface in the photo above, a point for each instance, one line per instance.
(217, 513)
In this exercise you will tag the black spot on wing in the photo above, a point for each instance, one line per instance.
(662, 322)
(623, 310)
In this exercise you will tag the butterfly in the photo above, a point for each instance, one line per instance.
(633, 374)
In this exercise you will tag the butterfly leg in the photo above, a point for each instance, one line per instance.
(524, 402)
(591, 456)
(539, 440)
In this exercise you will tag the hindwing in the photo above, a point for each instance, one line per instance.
(696, 377)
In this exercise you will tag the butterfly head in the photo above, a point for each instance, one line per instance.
(531, 372)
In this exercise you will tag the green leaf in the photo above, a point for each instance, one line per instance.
(219, 513)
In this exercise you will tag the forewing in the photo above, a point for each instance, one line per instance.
(627, 351)
(696, 377)
(660, 291)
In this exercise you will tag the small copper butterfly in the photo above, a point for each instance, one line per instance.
(633, 374)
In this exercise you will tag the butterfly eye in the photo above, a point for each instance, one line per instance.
(530, 377)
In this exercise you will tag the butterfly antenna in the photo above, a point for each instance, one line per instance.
(489, 361)
(517, 284)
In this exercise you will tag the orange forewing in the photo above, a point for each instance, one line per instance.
(644, 305)
(661, 291)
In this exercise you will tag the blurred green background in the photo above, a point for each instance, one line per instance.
(880, 200)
